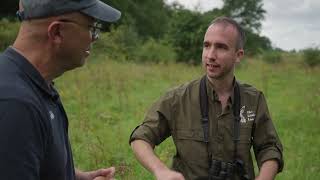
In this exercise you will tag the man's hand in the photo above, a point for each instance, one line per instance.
(146, 156)
(168, 174)
(100, 174)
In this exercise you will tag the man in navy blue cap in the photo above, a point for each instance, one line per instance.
(55, 36)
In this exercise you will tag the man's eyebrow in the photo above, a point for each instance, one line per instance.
(221, 44)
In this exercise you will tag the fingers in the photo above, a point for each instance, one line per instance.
(100, 178)
(104, 174)
(109, 172)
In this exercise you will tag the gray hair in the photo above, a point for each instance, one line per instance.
(228, 21)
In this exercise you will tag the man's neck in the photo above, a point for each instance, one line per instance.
(38, 58)
(222, 86)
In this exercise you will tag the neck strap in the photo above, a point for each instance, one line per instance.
(205, 115)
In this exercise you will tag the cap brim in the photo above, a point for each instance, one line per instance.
(102, 12)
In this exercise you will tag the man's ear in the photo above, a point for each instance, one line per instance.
(239, 54)
(54, 32)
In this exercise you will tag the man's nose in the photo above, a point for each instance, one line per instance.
(212, 53)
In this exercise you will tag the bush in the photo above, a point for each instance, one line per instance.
(8, 33)
(272, 57)
(311, 56)
(119, 44)
(157, 52)
(185, 33)
(124, 44)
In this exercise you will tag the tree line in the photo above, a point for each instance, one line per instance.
(154, 21)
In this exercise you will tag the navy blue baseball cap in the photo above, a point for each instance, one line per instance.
(35, 9)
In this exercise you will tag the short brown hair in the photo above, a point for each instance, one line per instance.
(229, 21)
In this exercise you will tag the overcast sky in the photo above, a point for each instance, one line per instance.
(289, 24)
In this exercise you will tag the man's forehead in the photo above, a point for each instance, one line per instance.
(221, 33)
(223, 29)
(223, 26)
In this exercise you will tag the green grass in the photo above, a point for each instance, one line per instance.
(106, 100)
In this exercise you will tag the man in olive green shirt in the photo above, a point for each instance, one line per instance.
(178, 114)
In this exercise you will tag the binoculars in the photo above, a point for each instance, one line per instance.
(220, 170)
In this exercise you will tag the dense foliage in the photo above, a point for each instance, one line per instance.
(311, 56)
(146, 22)
(249, 13)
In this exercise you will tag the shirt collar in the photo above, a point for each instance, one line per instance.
(26, 67)
(213, 95)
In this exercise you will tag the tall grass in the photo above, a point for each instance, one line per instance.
(106, 100)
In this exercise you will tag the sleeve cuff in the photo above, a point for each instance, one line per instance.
(272, 153)
(142, 133)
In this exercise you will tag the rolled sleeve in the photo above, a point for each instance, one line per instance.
(155, 127)
(266, 142)
(271, 153)
(145, 133)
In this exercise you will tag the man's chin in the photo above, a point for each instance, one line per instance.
(80, 63)
(213, 75)
(83, 62)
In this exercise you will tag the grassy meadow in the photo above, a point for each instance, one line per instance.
(105, 100)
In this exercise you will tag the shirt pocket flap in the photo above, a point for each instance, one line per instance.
(196, 135)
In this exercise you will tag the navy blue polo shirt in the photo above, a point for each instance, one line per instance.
(34, 143)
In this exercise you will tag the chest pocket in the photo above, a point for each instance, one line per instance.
(245, 133)
(244, 143)
(191, 147)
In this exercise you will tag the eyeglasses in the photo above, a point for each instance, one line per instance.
(94, 29)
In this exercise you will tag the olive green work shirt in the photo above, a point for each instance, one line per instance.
(178, 114)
